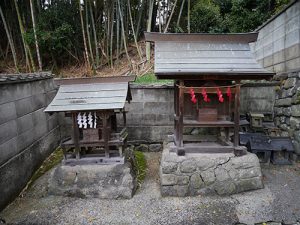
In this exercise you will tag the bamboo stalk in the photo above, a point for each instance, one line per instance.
(84, 39)
(180, 12)
(35, 37)
(132, 27)
(189, 16)
(10, 41)
(148, 46)
(88, 35)
(123, 32)
(95, 35)
(169, 20)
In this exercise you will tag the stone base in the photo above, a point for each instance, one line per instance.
(93, 181)
(200, 174)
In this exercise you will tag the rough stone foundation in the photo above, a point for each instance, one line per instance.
(200, 174)
(93, 181)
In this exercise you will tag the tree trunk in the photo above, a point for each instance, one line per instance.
(180, 12)
(35, 37)
(10, 41)
(88, 35)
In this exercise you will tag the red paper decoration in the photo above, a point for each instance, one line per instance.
(193, 96)
(228, 92)
(205, 96)
(219, 93)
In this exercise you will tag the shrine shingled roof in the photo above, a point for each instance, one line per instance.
(227, 56)
(90, 94)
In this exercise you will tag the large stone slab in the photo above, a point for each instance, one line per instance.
(208, 174)
(93, 181)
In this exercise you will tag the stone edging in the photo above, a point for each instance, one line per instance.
(24, 77)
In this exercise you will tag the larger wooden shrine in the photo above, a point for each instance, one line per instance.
(93, 105)
(207, 69)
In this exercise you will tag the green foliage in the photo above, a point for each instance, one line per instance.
(141, 166)
(54, 159)
(205, 17)
(150, 78)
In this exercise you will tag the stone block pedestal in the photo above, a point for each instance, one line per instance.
(201, 174)
(93, 181)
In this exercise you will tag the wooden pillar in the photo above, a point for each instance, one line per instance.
(105, 133)
(176, 117)
(76, 136)
(237, 114)
(124, 118)
(180, 107)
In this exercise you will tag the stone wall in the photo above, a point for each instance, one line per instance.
(278, 45)
(27, 134)
(287, 106)
(208, 174)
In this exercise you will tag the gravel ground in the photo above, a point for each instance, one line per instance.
(279, 200)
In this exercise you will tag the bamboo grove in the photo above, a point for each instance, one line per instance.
(46, 34)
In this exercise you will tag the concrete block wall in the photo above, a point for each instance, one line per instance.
(278, 45)
(27, 134)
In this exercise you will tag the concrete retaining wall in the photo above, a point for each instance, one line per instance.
(278, 45)
(27, 134)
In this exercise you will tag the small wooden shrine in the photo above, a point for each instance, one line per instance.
(93, 105)
(207, 69)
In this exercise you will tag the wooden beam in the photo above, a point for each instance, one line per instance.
(181, 112)
(76, 136)
(237, 114)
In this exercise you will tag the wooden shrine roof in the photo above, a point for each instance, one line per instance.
(90, 94)
(188, 56)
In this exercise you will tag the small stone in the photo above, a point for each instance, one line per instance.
(296, 147)
(182, 190)
(142, 148)
(195, 131)
(188, 166)
(183, 179)
(283, 102)
(290, 82)
(169, 167)
(250, 173)
(221, 174)
(196, 181)
(168, 191)
(295, 110)
(287, 111)
(249, 184)
(208, 176)
(283, 127)
(168, 179)
(297, 135)
(205, 163)
(282, 119)
(225, 188)
(155, 147)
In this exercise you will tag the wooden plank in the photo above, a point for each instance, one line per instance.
(236, 115)
(95, 160)
(210, 90)
(83, 101)
(210, 46)
(83, 107)
(193, 149)
(92, 80)
(215, 60)
(224, 72)
(199, 138)
(179, 65)
(94, 87)
(202, 54)
(218, 123)
(91, 94)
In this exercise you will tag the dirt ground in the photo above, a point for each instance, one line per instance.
(279, 201)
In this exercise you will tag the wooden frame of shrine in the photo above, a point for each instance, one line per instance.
(93, 105)
(207, 69)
